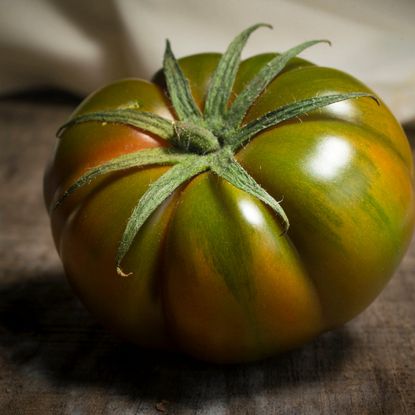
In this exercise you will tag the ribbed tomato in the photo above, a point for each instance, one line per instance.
(211, 268)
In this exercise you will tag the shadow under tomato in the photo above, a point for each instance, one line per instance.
(410, 133)
(46, 330)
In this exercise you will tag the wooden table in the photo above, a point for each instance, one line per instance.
(55, 359)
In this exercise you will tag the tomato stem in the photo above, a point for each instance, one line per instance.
(191, 137)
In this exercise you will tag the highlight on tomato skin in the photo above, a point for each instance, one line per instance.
(231, 210)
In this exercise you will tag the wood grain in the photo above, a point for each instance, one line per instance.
(55, 359)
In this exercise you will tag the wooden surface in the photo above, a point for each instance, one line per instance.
(55, 359)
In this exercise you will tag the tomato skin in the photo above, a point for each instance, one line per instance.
(213, 276)
(225, 271)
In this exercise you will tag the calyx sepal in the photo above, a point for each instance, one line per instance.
(200, 142)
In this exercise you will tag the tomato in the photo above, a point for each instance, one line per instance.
(214, 271)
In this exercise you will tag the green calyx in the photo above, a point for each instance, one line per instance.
(200, 141)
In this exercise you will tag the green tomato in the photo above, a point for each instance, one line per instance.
(214, 274)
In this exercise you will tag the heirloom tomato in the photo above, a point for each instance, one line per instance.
(230, 210)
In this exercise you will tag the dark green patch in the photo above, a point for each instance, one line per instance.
(233, 262)
(374, 209)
